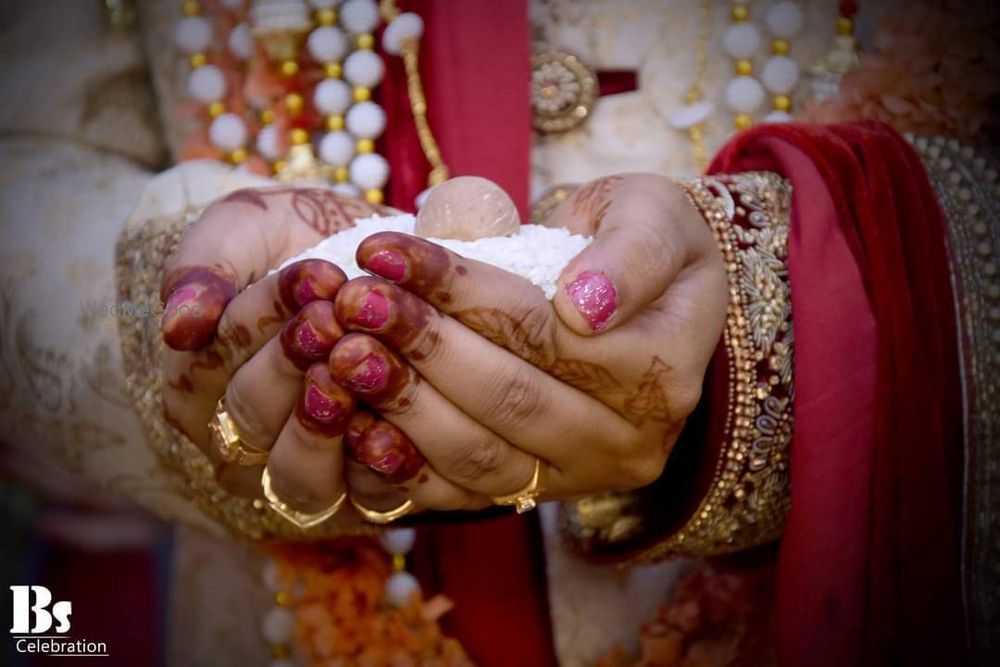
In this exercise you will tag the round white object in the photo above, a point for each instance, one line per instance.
(741, 40)
(207, 84)
(784, 19)
(405, 26)
(691, 114)
(241, 41)
(366, 120)
(780, 74)
(336, 148)
(421, 198)
(323, 4)
(369, 171)
(193, 34)
(347, 190)
(744, 94)
(398, 540)
(364, 68)
(778, 117)
(267, 142)
(228, 132)
(332, 96)
(359, 15)
(277, 625)
(327, 44)
(400, 587)
(467, 208)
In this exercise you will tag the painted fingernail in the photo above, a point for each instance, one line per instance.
(309, 336)
(321, 407)
(325, 407)
(373, 312)
(388, 451)
(595, 297)
(369, 375)
(309, 280)
(388, 264)
(195, 299)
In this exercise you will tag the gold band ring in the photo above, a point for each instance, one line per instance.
(301, 520)
(231, 445)
(525, 499)
(381, 518)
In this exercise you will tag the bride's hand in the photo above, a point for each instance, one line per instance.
(597, 383)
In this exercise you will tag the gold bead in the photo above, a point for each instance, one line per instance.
(366, 40)
(289, 68)
(780, 47)
(279, 166)
(283, 598)
(742, 121)
(216, 109)
(334, 122)
(238, 156)
(740, 13)
(366, 145)
(298, 136)
(845, 26)
(781, 103)
(326, 16)
(294, 103)
(266, 116)
(332, 70)
(191, 8)
(280, 651)
(198, 60)
(373, 196)
(399, 562)
(341, 174)
(744, 67)
(362, 94)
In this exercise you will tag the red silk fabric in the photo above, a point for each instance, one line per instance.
(868, 569)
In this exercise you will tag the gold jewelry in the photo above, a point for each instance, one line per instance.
(524, 500)
(231, 445)
(299, 519)
(381, 518)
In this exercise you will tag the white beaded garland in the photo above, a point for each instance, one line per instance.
(359, 16)
(323, 4)
(327, 44)
(193, 34)
(277, 625)
(405, 26)
(741, 40)
(207, 84)
(366, 120)
(400, 587)
(364, 68)
(398, 540)
(336, 149)
(369, 171)
(332, 96)
(267, 142)
(784, 19)
(780, 74)
(241, 41)
(228, 132)
(744, 94)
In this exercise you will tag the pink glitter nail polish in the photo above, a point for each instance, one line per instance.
(387, 263)
(595, 297)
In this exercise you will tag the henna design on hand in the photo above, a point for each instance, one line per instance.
(249, 196)
(523, 336)
(650, 399)
(592, 200)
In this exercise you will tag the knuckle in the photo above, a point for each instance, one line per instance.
(479, 458)
(685, 399)
(517, 399)
(538, 326)
(640, 470)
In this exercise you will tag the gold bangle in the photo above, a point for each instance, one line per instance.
(381, 518)
(525, 499)
(299, 519)
(231, 445)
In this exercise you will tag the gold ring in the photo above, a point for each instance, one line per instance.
(301, 520)
(524, 500)
(374, 516)
(231, 445)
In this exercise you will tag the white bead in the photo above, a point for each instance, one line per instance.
(691, 114)
(270, 575)
(332, 96)
(784, 19)
(228, 132)
(400, 587)
(193, 34)
(780, 74)
(398, 540)
(347, 190)
(241, 41)
(364, 68)
(744, 94)
(366, 120)
(277, 625)
(207, 84)
(323, 4)
(777, 117)
(267, 142)
(359, 16)
(405, 26)
(336, 148)
(369, 170)
(327, 44)
(741, 40)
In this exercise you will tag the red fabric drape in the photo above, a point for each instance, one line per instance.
(868, 570)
